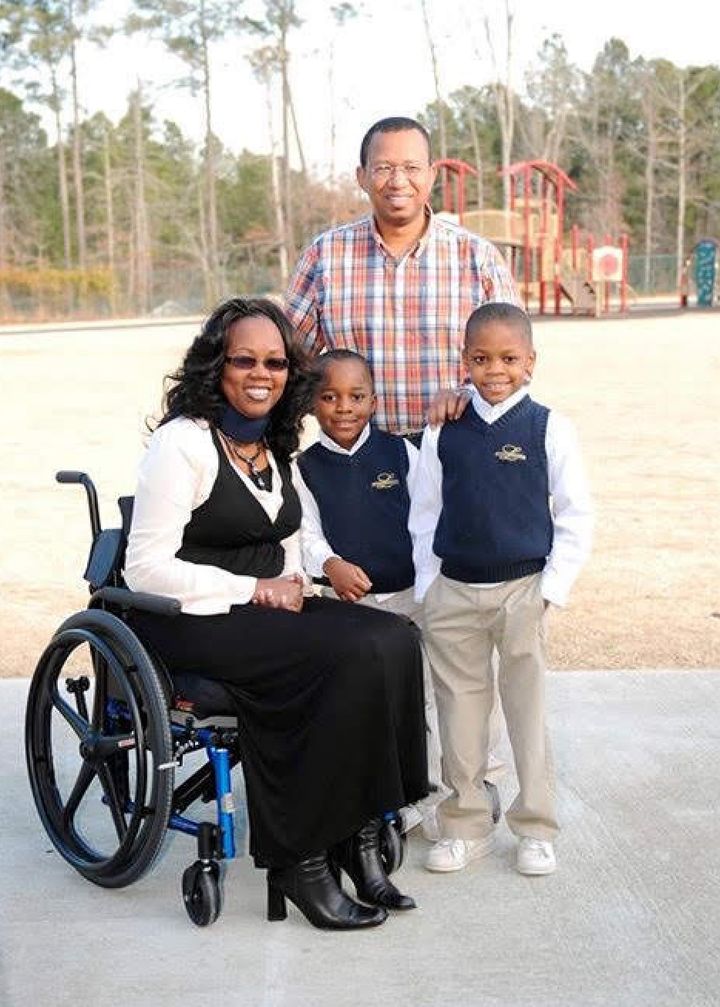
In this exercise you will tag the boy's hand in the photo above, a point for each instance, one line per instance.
(348, 581)
(280, 592)
(448, 404)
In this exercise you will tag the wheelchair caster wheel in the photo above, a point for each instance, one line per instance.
(201, 892)
(392, 845)
(494, 798)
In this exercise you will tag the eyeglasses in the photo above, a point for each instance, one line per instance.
(382, 172)
(247, 363)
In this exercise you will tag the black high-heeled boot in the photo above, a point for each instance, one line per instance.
(360, 857)
(310, 885)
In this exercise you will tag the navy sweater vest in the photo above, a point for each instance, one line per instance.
(364, 506)
(495, 523)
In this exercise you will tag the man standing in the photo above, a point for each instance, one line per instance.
(398, 285)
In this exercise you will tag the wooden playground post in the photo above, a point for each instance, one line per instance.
(526, 217)
(557, 251)
(624, 281)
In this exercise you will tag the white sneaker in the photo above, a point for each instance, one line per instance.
(454, 854)
(410, 818)
(535, 856)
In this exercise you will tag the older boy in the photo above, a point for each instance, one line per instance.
(501, 520)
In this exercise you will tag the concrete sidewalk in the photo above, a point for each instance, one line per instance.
(631, 919)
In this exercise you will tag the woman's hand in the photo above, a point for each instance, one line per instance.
(448, 404)
(349, 582)
(280, 592)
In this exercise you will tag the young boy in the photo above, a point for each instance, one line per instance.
(355, 484)
(501, 520)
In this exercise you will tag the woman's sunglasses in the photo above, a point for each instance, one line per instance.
(247, 363)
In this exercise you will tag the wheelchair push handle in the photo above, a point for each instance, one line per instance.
(83, 479)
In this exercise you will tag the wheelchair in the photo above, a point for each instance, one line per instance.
(107, 728)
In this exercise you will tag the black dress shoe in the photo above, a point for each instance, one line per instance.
(360, 857)
(311, 886)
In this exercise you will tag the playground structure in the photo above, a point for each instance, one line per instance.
(547, 266)
(702, 266)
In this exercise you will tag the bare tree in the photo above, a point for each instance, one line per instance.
(188, 28)
(341, 13)
(502, 84)
(109, 220)
(436, 78)
(265, 63)
(36, 39)
(504, 94)
(280, 19)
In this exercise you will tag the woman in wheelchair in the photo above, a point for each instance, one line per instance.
(329, 696)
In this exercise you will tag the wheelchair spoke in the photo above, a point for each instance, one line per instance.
(100, 697)
(113, 800)
(85, 777)
(79, 726)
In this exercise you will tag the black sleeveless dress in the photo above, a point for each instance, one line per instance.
(329, 700)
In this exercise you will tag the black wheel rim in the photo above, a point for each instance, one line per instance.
(113, 754)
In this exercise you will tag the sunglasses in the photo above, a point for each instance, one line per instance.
(247, 363)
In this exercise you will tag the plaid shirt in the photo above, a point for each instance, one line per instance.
(406, 316)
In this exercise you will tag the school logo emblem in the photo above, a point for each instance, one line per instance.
(511, 453)
(385, 481)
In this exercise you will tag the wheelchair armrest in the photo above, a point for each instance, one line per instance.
(124, 598)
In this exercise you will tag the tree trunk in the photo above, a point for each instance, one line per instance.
(287, 177)
(143, 259)
(682, 174)
(213, 283)
(650, 159)
(77, 154)
(303, 166)
(109, 223)
(478, 160)
(504, 100)
(62, 172)
(276, 193)
(4, 297)
(436, 79)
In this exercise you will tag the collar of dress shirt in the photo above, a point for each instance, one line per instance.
(331, 445)
(490, 413)
(419, 246)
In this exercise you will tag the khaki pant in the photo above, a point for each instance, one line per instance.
(462, 625)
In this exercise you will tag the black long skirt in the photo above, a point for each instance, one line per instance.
(331, 714)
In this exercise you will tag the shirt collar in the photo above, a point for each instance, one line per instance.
(490, 413)
(331, 445)
(419, 246)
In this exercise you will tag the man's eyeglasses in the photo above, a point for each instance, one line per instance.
(244, 362)
(382, 172)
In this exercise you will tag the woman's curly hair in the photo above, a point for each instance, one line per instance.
(195, 388)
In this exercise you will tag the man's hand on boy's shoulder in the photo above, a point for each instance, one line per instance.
(449, 404)
(348, 581)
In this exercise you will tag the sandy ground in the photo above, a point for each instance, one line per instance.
(644, 396)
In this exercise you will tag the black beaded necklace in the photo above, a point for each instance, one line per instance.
(254, 473)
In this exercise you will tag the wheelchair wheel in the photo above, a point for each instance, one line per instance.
(99, 750)
(201, 892)
(392, 845)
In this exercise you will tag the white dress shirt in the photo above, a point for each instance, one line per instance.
(571, 506)
(176, 476)
(316, 549)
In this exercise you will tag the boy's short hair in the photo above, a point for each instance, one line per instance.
(500, 311)
(323, 361)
